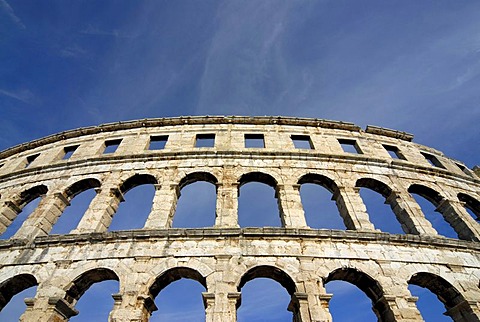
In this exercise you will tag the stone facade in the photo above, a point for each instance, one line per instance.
(224, 257)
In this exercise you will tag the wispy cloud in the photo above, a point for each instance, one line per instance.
(23, 95)
(92, 30)
(72, 51)
(4, 6)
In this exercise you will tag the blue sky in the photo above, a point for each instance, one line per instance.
(407, 65)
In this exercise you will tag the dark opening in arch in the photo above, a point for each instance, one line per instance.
(471, 204)
(369, 286)
(15, 285)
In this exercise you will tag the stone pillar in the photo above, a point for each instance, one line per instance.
(313, 307)
(352, 209)
(412, 219)
(227, 205)
(291, 208)
(8, 212)
(131, 307)
(164, 206)
(48, 309)
(42, 219)
(455, 214)
(301, 307)
(99, 214)
(221, 307)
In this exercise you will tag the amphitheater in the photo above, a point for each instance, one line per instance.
(338, 156)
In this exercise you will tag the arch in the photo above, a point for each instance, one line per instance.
(83, 282)
(446, 293)
(81, 186)
(428, 193)
(15, 285)
(137, 180)
(375, 185)
(454, 228)
(321, 180)
(257, 177)
(368, 285)
(197, 176)
(319, 196)
(174, 274)
(393, 220)
(470, 203)
(31, 194)
(268, 271)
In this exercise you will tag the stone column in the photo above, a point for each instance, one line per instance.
(8, 212)
(48, 309)
(313, 303)
(409, 214)
(352, 209)
(131, 307)
(455, 214)
(290, 205)
(164, 206)
(227, 205)
(99, 214)
(221, 307)
(42, 219)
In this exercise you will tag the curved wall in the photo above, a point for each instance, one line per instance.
(224, 257)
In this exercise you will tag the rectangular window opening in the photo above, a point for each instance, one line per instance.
(158, 142)
(254, 141)
(111, 146)
(68, 151)
(302, 142)
(30, 159)
(464, 169)
(394, 152)
(350, 146)
(434, 162)
(205, 141)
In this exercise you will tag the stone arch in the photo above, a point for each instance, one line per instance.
(470, 203)
(256, 176)
(31, 194)
(369, 286)
(335, 220)
(80, 186)
(271, 272)
(137, 180)
(455, 304)
(268, 180)
(444, 207)
(197, 176)
(11, 209)
(426, 192)
(319, 179)
(390, 196)
(14, 285)
(174, 274)
(83, 282)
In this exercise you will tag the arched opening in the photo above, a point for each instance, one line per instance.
(79, 195)
(197, 202)
(319, 205)
(93, 289)
(472, 205)
(13, 292)
(266, 295)
(375, 195)
(256, 207)
(345, 294)
(137, 193)
(428, 200)
(19, 209)
(370, 287)
(455, 305)
(178, 295)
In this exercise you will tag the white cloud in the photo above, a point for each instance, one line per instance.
(23, 95)
(11, 13)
